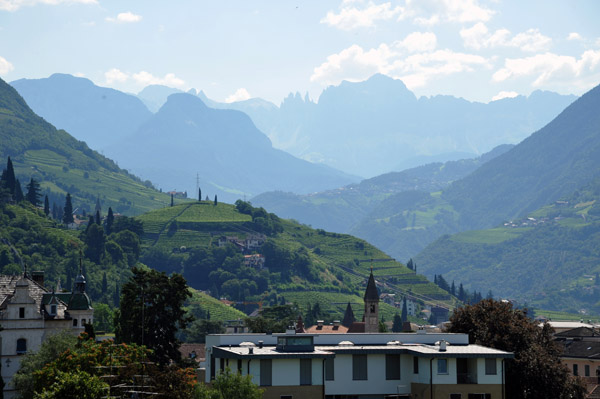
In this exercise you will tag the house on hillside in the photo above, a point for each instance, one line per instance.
(256, 261)
(30, 313)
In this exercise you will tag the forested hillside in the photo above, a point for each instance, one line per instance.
(549, 259)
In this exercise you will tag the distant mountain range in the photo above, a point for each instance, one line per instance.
(63, 164)
(377, 126)
(344, 209)
(183, 140)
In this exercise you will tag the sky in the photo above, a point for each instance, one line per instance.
(480, 50)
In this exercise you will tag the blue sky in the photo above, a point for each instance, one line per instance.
(476, 49)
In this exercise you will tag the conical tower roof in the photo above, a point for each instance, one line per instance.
(348, 316)
(371, 294)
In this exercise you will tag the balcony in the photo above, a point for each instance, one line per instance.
(466, 378)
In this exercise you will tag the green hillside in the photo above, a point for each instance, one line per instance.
(303, 265)
(549, 259)
(62, 164)
(549, 164)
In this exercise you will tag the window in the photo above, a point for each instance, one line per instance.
(415, 365)
(490, 366)
(21, 313)
(329, 370)
(575, 370)
(305, 371)
(74, 322)
(455, 396)
(359, 367)
(587, 370)
(266, 377)
(442, 366)
(82, 322)
(392, 367)
(53, 310)
(21, 346)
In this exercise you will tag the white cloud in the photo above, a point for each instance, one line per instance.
(415, 70)
(14, 5)
(547, 67)
(240, 95)
(125, 18)
(114, 75)
(418, 41)
(351, 17)
(145, 78)
(478, 37)
(5, 66)
(505, 94)
(431, 12)
(574, 36)
(142, 78)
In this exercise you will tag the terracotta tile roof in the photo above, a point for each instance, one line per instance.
(327, 329)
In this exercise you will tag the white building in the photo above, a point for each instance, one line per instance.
(29, 313)
(359, 366)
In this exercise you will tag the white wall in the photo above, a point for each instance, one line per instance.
(489, 379)
(376, 384)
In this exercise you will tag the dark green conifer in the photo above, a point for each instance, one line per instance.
(110, 218)
(68, 210)
(18, 192)
(33, 192)
(46, 206)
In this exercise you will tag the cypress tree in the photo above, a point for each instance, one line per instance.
(68, 210)
(453, 289)
(215, 199)
(33, 192)
(11, 180)
(18, 192)
(171, 199)
(199, 194)
(397, 325)
(110, 218)
(404, 316)
(104, 283)
(46, 206)
(98, 218)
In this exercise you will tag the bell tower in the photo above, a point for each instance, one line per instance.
(371, 306)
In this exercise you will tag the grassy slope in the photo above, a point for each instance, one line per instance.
(548, 259)
(63, 164)
(341, 260)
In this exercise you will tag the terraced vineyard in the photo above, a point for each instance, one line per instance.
(340, 262)
(218, 310)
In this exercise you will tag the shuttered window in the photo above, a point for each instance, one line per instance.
(329, 370)
(392, 367)
(305, 371)
(359, 367)
(266, 376)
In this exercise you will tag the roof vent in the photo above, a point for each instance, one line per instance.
(247, 344)
(250, 350)
(260, 344)
(396, 342)
(442, 344)
(346, 343)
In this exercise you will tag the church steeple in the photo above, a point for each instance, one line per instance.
(348, 316)
(371, 315)
(80, 279)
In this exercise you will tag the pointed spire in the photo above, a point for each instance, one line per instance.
(348, 316)
(300, 324)
(371, 293)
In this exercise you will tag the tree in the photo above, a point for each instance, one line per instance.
(97, 220)
(409, 264)
(18, 192)
(151, 311)
(46, 205)
(50, 350)
(230, 385)
(536, 370)
(215, 199)
(199, 329)
(461, 293)
(33, 192)
(172, 200)
(10, 180)
(75, 384)
(95, 242)
(199, 194)
(68, 210)
(110, 219)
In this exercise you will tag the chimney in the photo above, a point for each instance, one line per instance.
(336, 323)
(250, 350)
(442, 346)
(320, 323)
(260, 344)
